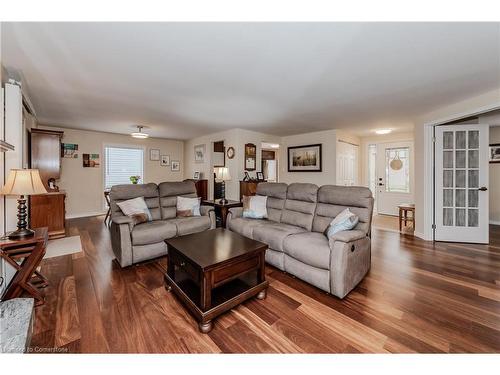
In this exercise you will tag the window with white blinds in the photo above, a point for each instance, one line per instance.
(121, 163)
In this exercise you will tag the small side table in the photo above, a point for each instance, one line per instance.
(30, 251)
(221, 210)
(403, 215)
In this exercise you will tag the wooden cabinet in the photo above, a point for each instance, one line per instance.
(48, 210)
(248, 188)
(201, 188)
(45, 153)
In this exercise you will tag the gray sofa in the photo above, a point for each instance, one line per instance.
(136, 243)
(298, 216)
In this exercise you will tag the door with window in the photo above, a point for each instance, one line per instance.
(394, 176)
(347, 164)
(122, 162)
(461, 181)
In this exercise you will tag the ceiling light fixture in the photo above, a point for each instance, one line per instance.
(139, 134)
(383, 131)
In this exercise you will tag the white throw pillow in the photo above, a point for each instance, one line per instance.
(346, 220)
(255, 207)
(187, 207)
(137, 209)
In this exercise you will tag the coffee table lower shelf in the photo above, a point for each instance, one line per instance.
(220, 306)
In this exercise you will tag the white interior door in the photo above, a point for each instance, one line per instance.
(394, 176)
(461, 172)
(347, 164)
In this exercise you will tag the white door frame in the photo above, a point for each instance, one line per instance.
(428, 173)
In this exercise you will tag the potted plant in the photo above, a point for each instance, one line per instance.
(135, 179)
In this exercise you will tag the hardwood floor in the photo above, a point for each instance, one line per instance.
(417, 297)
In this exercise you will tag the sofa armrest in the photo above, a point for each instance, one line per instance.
(233, 213)
(121, 240)
(347, 236)
(124, 220)
(210, 212)
(350, 260)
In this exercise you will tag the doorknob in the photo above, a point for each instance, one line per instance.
(380, 184)
(483, 188)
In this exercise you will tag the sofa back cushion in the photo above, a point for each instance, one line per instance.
(300, 205)
(169, 191)
(332, 200)
(276, 195)
(120, 193)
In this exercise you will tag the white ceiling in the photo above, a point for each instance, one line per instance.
(187, 79)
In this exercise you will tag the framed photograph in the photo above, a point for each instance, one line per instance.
(495, 153)
(260, 176)
(164, 160)
(304, 158)
(91, 160)
(69, 150)
(250, 157)
(196, 176)
(199, 153)
(175, 166)
(154, 154)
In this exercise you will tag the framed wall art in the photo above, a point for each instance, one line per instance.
(164, 160)
(154, 154)
(304, 158)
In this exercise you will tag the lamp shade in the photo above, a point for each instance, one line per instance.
(222, 174)
(23, 182)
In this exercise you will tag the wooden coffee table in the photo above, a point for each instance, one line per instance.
(213, 271)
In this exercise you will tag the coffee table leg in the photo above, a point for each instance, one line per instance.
(205, 327)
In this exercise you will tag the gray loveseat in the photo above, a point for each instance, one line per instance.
(298, 216)
(136, 243)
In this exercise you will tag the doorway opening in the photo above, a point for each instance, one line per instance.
(269, 161)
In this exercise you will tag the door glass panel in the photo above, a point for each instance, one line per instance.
(448, 140)
(460, 178)
(460, 139)
(473, 139)
(460, 198)
(460, 217)
(448, 178)
(448, 197)
(473, 218)
(473, 198)
(460, 159)
(473, 158)
(397, 177)
(447, 159)
(448, 217)
(474, 179)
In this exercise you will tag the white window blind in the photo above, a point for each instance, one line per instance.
(121, 163)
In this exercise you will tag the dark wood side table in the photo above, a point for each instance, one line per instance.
(30, 252)
(221, 210)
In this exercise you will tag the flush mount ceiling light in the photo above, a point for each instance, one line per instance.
(383, 131)
(139, 133)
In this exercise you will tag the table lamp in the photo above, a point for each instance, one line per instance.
(223, 175)
(23, 182)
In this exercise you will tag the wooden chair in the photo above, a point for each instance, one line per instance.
(403, 215)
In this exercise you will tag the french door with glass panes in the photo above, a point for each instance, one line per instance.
(461, 178)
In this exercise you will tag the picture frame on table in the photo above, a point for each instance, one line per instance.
(260, 176)
(196, 176)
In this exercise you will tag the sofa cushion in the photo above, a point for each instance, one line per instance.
(310, 248)
(273, 234)
(276, 195)
(300, 205)
(121, 193)
(169, 191)
(153, 232)
(245, 226)
(136, 209)
(187, 207)
(254, 207)
(193, 224)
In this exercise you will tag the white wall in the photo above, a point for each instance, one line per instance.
(84, 186)
(236, 138)
(328, 139)
(423, 155)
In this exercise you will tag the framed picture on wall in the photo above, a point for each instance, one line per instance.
(304, 158)
(175, 166)
(154, 154)
(165, 160)
(199, 153)
(495, 153)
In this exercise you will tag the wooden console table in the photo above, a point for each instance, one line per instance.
(30, 252)
(222, 209)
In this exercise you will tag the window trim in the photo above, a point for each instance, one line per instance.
(121, 145)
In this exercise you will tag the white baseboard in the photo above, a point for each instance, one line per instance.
(495, 222)
(421, 236)
(85, 214)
